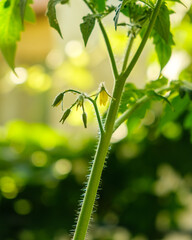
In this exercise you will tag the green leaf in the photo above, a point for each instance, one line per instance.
(12, 14)
(157, 83)
(162, 24)
(163, 50)
(100, 5)
(147, 2)
(158, 97)
(188, 121)
(179, 106)
(137, 115)
(51, 13)
(87, 27)
(23, 4)
(178, 1)
(10, 28)
(29, 14)
(162, 37)
(130, 95)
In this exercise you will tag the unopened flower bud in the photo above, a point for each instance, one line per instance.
(80, 101)
(58, 99)
(84, 117)
(65, 115)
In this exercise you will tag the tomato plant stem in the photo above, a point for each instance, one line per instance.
(104, 141)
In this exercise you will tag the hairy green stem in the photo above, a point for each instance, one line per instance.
(129, 46)
(98, 163)
(104, 141)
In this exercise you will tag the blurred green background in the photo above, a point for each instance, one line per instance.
(146, 187)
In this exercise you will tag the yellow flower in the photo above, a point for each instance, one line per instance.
(103, 96)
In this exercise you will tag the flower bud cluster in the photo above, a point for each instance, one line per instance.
(102, 94)
(79, 103)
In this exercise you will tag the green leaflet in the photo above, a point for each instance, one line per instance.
(23, 4)
(10, 28)
(162, 37)
(137, 115)
(178, 1)
(163, 49)
(51, 13)
(12, 14)
(87, 27)
(179, 106)
(137, 14)
(29, 14)
(100, 5)
(162, 24)
(130, 95)
(157, 83)
(157, 97)
(188, 123)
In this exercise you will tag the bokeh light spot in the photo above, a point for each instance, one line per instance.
(75, 76)
(39, 159)
(61, 168)
(149, 118)
(22, 207)
(177, 62)
(177, 236)
(8, 187)
(26, 235)
(54, 59)
(118, 40)
(172, 131)
(119, 134)
(73, 48)
(38, 79)
(21, 76)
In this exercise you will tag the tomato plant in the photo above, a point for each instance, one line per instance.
(141, 18)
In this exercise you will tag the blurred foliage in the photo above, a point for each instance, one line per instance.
(146, 187)
(40, 179)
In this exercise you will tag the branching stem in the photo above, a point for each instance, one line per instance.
(104, 141)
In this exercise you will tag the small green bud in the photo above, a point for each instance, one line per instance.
(84, 117)
(65, 115)
(58, 99)
(80, 101)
